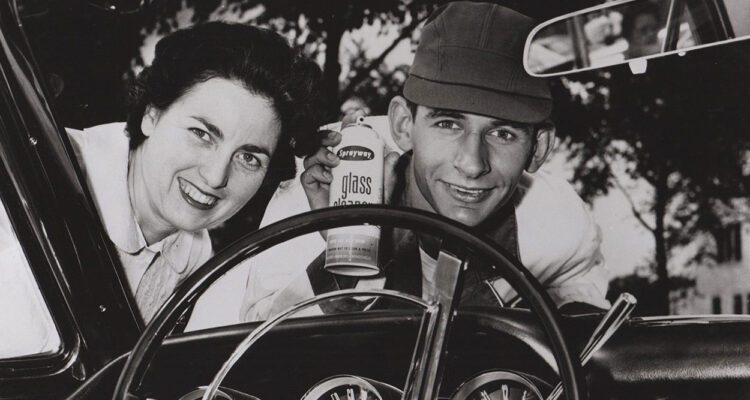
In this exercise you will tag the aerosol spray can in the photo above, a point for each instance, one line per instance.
(358, 179)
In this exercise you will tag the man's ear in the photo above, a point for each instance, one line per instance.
(402, 122)
(545, 142)
(148, 122)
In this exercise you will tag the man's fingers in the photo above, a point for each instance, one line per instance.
(322, 156)
(389, 175)
(330, 138)
(316, 174)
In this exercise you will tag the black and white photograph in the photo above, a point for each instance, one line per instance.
(375, 199)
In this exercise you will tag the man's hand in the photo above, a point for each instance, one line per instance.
(316, 179)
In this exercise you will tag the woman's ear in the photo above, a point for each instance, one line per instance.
(543, 145)
(402, 122)
(148, 122)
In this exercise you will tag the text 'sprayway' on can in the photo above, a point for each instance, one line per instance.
(358, 179)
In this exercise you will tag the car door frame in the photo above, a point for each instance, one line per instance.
(74, 263)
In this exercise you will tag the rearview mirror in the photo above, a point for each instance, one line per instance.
(623, 31)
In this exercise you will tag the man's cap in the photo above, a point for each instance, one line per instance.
(470, 59)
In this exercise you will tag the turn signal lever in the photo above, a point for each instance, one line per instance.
(609, 324)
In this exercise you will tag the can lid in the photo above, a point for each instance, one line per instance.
(361, 122)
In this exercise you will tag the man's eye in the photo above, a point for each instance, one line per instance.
(447, 124)
(505, 135)
(248, 160)
(201, 134)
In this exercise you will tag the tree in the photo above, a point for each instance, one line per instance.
(316, 26)
(683, 134)
(319, 26)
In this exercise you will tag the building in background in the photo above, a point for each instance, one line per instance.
(723, 286)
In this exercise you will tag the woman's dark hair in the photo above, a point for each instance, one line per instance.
(259, 58)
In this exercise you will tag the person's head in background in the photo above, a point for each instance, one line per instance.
(353, 105)
(474, 119)
(640, 26)
(212, 120)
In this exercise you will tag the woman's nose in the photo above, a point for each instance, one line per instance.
(215, 172)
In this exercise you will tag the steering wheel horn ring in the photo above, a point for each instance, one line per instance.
(136, 366)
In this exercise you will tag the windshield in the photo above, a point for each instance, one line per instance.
(662, 159)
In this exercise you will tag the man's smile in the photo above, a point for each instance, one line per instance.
(468, 194)
(196, 197)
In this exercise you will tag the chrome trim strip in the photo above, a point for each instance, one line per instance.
(688, 319)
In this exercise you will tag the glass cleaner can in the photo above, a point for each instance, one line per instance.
(357, 179)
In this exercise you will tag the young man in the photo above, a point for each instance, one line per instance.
(474, 128)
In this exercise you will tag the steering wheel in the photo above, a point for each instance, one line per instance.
(130, 380)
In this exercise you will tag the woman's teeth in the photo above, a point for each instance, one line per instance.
(196, 195)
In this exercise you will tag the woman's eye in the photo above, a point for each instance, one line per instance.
(201, 134)
(248, 160)
(447, 124)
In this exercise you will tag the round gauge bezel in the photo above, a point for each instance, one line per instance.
(483, 378)
(198, 393)
(330, 383)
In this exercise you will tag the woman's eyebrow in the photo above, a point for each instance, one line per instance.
(211, 127)
(251, 148)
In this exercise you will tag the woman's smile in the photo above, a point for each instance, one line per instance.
(196, 197)
(205, 156)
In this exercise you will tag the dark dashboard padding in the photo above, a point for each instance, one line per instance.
(675, 361)
(644, 360)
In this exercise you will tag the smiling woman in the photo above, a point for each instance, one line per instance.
(211, 123)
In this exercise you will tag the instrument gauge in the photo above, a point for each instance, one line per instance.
(498, 385)
(350, 387)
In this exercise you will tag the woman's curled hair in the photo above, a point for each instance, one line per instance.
(259, 58)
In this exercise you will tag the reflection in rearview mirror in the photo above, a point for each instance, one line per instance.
(622, 31)
(120, 6)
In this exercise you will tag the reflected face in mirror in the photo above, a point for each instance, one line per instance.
(641, 31)
(204, 157)
(617, 32)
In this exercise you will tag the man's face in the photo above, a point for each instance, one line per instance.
(465, 166)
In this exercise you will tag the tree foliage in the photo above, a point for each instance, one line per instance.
(317, 26)
(682, 127)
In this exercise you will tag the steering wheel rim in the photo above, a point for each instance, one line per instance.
(254, 243)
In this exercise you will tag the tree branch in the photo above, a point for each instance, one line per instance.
(633, 208)
(364, 72)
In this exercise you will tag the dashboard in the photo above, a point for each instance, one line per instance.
(363, 356)
(488, 385)
(491, 355)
